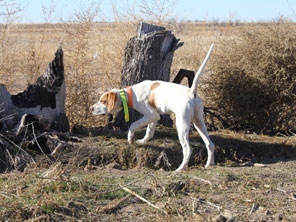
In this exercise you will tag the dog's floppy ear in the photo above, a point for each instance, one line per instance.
(112, 97)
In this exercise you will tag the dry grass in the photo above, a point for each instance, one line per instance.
(93, 58)
(250, 83)
(252, 181)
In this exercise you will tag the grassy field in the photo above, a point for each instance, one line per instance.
(99, 178)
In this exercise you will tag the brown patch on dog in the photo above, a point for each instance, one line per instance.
(109, 100)
(104, 99)
(151, 100)
(112, 97)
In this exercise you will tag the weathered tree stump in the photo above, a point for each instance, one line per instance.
(148, 56)
(45, 98)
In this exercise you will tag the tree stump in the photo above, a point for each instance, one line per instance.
(45, 98)
(148, 56)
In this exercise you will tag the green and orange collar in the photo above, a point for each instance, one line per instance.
(125, 103)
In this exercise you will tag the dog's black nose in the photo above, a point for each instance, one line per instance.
(91, 108)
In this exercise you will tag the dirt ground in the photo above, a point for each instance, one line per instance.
(103, 178)
(248, 192)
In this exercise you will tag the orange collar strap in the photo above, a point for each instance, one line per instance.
(129, 97)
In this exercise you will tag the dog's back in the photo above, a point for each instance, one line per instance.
(165, 97)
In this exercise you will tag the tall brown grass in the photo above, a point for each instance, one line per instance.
(251, 80)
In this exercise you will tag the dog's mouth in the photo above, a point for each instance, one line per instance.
(97, 111)
(99, 114)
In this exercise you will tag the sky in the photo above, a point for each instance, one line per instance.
(195, 10)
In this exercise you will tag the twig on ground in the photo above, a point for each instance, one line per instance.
(113, 206)
(292, 195)
(211, 204)
(158, 183)
(202, 180)
(10, 158)
(193, 206)
(278, 189)
(180, 216)
(128, 184)
(142, 198)
(4, 195)
(253, 209)
(10, 141)
(162, 156)
(40, 218)
(35, 138)
(8, 195)
(25, 135)
(64, 216)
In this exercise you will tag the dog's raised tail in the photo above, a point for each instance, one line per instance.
(193, 89)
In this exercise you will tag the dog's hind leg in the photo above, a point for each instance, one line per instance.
(183, 127)
(200, 126)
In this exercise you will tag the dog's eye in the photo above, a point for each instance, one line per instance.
(103, 101)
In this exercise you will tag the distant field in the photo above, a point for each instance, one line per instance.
(34, 44)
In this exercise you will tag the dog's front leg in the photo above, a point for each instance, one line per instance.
(130, 136)
(149, 133)
(145, 120)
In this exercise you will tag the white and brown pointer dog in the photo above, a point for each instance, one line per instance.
(152, 98)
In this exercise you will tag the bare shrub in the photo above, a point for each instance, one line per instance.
(93, 58)
(153, 11)
(252, 82)
(82, 70)
(9, 10)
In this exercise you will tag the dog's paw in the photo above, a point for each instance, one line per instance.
(130, 137)
(180, 169)
(208, 165)
(140, 142)
(130, 141)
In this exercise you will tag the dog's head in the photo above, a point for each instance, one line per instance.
(108, 103)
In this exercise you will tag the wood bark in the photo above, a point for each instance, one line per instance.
(45, 99)
(148, 56)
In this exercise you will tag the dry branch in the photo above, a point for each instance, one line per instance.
(142, 198)
(202, 180)
(10, 141)
(112, 207)
(210, 204)
(128, 184)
